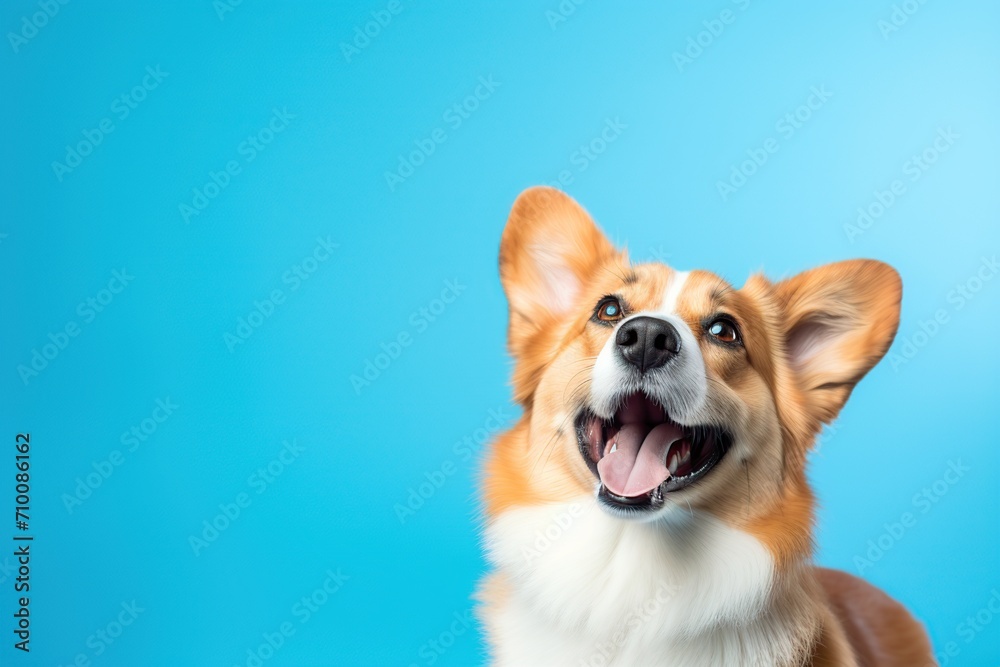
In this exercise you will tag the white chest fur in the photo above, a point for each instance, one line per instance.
(585, 589)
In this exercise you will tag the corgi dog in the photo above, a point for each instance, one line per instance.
(651, 505)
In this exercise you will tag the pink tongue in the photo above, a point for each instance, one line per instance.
(637, 465)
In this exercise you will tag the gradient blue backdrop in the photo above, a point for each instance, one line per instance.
(556, 83)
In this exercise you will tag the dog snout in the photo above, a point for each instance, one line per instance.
(647, 342)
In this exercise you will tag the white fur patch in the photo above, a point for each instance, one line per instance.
(673, 292)
(587, 589)
(560, 284)
(680, 387)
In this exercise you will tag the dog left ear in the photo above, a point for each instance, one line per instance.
(549, 252)
(841, 319)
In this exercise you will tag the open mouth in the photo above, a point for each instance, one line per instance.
(640, 454)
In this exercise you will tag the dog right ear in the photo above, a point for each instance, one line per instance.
(550, 249)
(840, 319)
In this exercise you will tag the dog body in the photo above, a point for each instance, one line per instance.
(651, 506)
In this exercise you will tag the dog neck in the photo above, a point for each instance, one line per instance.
(579, 587)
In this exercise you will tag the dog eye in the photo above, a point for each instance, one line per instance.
(609, 309)
(724, 330)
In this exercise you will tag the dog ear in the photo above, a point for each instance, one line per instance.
(840, 320)
(549, 250)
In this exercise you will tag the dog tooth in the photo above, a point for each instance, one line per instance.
(614, 448)
(672, 465)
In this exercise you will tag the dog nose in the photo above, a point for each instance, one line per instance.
(647, 342)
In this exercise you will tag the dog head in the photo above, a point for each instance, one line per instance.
(655, 390)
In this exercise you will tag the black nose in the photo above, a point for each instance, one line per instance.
(647, 342)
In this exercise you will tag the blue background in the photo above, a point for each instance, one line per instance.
(367, 447)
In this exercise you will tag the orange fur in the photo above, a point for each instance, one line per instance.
(544, 221)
